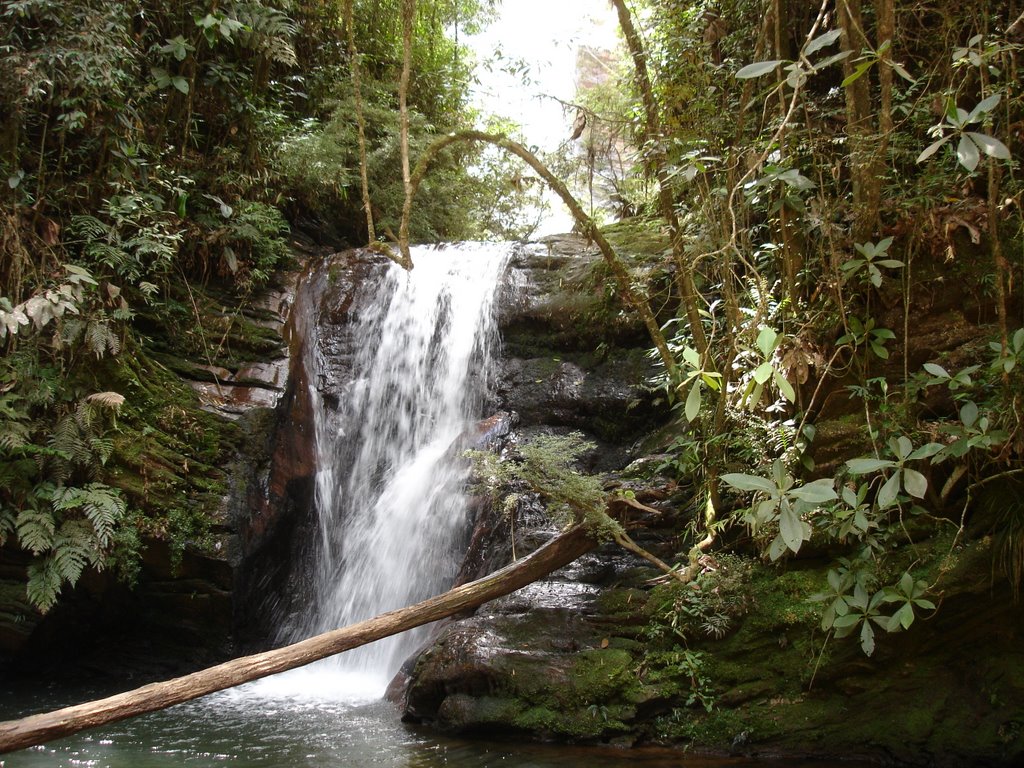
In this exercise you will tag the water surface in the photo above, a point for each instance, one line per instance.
(309, 719)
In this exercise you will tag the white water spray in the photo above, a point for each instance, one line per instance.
(390, 481)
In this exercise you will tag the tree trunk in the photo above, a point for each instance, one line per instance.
(885, 16)
(654, 139)
(357, 92)
(38, 729)
(859, 125)
(408, 17)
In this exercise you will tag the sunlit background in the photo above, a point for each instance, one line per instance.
(527, 70)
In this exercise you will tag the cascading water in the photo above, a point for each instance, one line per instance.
(389, 492)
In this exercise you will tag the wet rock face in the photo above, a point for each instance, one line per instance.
(558, 658)
(180, 612)
(571, 358)
(276, 514)
(536, 662)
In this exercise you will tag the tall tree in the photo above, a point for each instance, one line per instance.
(357, 91)
(654, 145)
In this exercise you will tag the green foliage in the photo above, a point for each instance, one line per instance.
(973, 431)
(972, 144)
(66, 549)
(797, 72)
(1008, 359)
(854, 519)
(872, 256)
(863, 613)
(47, 306)
(805, 205)
(151, 154)
(48, 504)
(768, 344)
(707, 608)
(695, 379)
(910, 480)
(546, 465)
(863, 333)
(319, 160)
(853, 609)
(249, 239)
(939, 375)
(780, 501)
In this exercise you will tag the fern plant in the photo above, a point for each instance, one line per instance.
(51, 505)
(267, 30)
(67, 528)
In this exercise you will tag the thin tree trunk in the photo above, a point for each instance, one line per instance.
(38, 729)
(666, 202)
(357, 90)
(995, 243)
(791, 262)
(408, 16)
(859, 125)
(885, 14)
(779, 20)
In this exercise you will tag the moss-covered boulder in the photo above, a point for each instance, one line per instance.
(737, 664)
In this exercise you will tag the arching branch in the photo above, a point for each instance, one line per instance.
(584, 222)
(666, 202)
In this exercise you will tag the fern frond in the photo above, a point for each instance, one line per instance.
(7, 518)
(71, 330)
(281, 51)
(102, 506)
(270, 31)
(104, 509)
(43, 584)
(153, 244)
(85, 416)
(119, 260)
(11, 407)
(68, 441)
(103, 447)
(17, 476)
(70, 561)
(73, 550)
(65, 498)
(100, 338)
(13, 435)
(36, 530)
(65, 435)
(112, 400)
(90, 228)
(55, 465)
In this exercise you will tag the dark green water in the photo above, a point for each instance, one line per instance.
(291, 722)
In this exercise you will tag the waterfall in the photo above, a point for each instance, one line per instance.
(391, 510)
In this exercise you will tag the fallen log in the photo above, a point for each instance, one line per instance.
(38, 729)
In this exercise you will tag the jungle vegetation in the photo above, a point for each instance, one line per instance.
(830, 193)
(153, 156)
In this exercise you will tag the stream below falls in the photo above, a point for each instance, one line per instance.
(268, 725)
